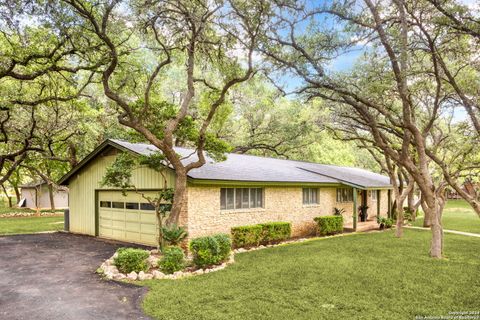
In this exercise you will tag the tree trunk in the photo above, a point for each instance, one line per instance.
(8, 197)
(179, 197)
(17, 193)
(394, 209)
(399, 226)
(51, 194)
(160, 240)
(427, 216)
(436, 247)
(433, 208)
(411, 203)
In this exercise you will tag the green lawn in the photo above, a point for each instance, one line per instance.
(457, 215)
(361, 276)
(30, 224)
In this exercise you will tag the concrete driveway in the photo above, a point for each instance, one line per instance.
(52, 276)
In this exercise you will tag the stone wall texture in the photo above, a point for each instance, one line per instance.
(280, 204)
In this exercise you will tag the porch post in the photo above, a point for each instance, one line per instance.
(355, 213)
(389, 203)
(379, 192)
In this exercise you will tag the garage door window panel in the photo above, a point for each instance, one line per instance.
(118, 205)
(105, 204)
(131, 205)
(147, 207)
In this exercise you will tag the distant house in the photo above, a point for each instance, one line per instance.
(242, 190)
(471, 188)
(35, 195)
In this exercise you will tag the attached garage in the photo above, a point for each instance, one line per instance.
(104, 212)
(128, 218)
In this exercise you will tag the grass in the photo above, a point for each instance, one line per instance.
(361, 276)
(457, 215)
(30, 224)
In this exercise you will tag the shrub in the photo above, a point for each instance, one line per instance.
(174, 234)
(246, 236)
(210, 250)
(263, 233)
(388, 222)
(329, 224)
(131, 259)
(173, 260)
(385, 222)
(275, 231)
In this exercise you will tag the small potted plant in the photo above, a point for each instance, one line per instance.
(384, 223)
(381, 222)
(363, 213)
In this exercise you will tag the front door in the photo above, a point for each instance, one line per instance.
(363, 211)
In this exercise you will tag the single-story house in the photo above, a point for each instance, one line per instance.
(35, 195)
(241, 190)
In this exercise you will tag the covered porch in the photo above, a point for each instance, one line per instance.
(366, 209)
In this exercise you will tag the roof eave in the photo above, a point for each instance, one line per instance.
(64, 180)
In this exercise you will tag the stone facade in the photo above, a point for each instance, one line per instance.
(280, 204)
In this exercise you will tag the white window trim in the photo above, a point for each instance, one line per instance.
(249, 209)
(336, 196)
(312, 204)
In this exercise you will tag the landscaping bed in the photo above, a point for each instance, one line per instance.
(206, 254)
(110, 271)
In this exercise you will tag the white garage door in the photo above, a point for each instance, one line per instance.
(127, 218)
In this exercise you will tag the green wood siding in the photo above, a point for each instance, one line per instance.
(83, 184)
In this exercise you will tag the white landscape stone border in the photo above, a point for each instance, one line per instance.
(110, 271)
(30, 214)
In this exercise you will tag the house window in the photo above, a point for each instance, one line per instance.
(375, 194)
(310, 196)
(344, 195)
(241, 198)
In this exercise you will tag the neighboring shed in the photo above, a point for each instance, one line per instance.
(35, 195)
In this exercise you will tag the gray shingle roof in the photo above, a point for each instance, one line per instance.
(240, 167)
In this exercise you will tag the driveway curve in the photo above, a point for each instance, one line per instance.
(52, 276)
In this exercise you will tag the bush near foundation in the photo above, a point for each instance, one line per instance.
(263, 233)
(385, 222)
(328, 225)
(246, 236)
(211, 250)
(273, 232)
(173, 260)
(131, 259)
